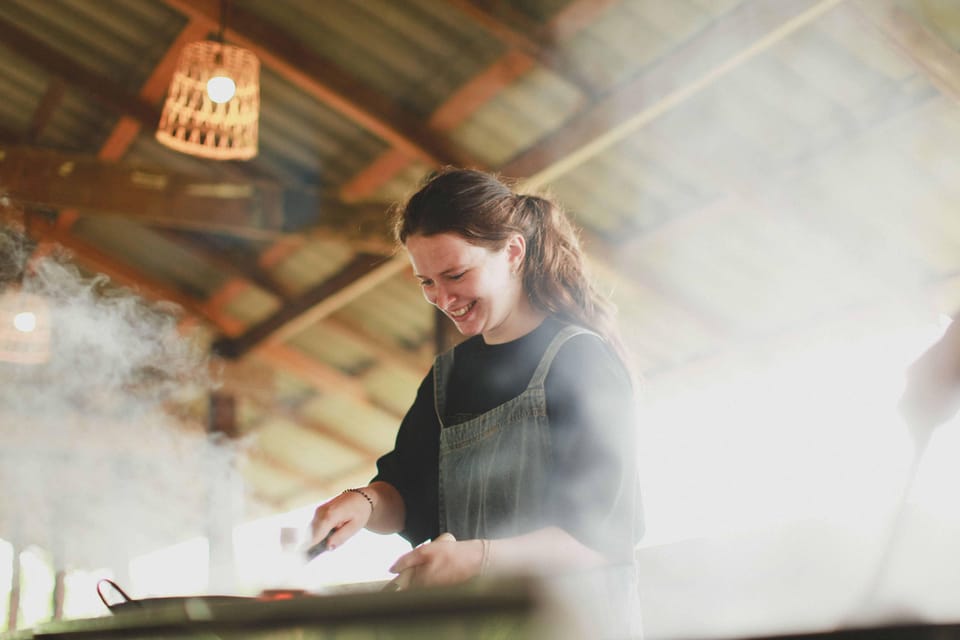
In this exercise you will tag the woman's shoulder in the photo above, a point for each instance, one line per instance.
(585, 358)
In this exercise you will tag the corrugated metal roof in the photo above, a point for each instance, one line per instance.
(423, 49)
(162, 259)
(305, 141)
(122, 41)
(23, 85)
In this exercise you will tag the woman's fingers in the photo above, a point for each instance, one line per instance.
(407, 560)
(442, 561)
(337, 520)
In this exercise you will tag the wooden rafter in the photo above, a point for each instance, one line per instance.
(55, 180)
(52, 98)
(327, 82)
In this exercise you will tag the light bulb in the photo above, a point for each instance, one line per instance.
(25, 321)
(221, 88)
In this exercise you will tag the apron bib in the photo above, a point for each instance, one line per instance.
(494, 467)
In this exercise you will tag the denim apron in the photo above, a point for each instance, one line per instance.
(494, 467)
(493, 484)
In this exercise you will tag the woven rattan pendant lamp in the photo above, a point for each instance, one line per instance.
(213, 104)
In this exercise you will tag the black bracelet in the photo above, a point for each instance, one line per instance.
(364, 494)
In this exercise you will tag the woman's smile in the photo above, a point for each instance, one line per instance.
(460, 313)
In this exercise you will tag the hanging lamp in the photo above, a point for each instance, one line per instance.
(212, 108)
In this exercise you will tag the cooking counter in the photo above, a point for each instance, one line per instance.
(503, 609)
(514, 609)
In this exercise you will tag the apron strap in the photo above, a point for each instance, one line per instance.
(540, 375)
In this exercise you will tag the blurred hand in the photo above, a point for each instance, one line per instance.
(444, 561)
(343, 516)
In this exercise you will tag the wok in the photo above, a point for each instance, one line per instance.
(117, 600)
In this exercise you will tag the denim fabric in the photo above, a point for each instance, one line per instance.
(494, 467)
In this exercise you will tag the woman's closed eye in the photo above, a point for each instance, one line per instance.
(457, 276)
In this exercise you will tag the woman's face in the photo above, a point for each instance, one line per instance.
(477, 288)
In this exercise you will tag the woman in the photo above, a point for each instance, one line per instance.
(520, 443)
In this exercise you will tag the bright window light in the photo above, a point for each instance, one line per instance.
(262, 564)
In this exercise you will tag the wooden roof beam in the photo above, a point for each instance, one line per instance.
(327, 82)
(50, 179)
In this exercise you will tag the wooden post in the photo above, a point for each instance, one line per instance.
(223, 505)
(14, 588)
(59, 591)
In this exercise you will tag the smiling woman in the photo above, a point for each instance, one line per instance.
(518, 454)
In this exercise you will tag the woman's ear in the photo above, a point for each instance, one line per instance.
(516, 249)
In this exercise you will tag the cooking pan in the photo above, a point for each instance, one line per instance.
(117, 600)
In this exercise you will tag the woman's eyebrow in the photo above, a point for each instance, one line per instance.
(444, 272)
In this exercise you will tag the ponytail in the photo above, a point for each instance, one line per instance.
(555, 273)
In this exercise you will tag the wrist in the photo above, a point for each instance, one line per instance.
(483, 566)
(366, 494)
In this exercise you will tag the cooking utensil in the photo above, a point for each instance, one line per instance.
(120, 601)
(320, 547)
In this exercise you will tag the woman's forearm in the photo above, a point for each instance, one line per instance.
(389, 512)
(548, 549)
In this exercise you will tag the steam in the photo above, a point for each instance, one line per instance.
(104, 454)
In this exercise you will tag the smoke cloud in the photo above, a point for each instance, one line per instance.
(104, 452)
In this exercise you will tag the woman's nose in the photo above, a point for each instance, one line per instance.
(442, 297)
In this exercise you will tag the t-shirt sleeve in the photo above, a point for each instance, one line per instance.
(412, 465)
(594, 488)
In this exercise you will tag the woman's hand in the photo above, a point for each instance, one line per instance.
(340, 518)
(444, 561)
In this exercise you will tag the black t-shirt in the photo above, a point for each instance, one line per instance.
(593, 492)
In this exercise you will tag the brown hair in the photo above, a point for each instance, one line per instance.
(485, 210)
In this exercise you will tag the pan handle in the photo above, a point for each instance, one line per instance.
(112, 585)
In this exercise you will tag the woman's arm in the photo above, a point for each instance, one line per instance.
(378, 507)
(388, 512)
(447, 561)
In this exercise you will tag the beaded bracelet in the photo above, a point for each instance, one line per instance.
(364, 494)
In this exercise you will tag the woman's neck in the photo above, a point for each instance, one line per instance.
(523, 319)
